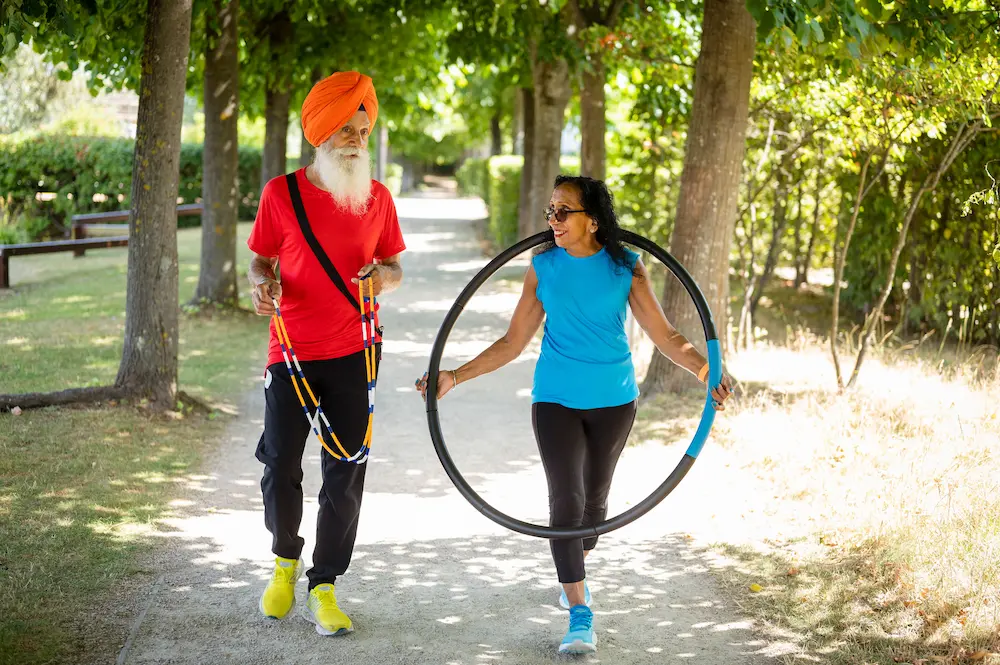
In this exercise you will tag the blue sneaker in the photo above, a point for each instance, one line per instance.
(564, 601)
(580, 638)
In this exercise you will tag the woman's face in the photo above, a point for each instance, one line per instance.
(576, 227)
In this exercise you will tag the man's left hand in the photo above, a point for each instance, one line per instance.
(378, 274)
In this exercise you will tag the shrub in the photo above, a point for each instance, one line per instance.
(45, 180)
(504, 194)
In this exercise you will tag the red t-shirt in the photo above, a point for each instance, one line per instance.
(320, 322)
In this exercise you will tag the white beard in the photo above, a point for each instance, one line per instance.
(348, 180)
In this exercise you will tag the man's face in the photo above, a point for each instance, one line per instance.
(354, 134)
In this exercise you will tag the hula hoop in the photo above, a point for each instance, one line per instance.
(675, 477)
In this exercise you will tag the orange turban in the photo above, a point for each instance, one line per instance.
(333, 101)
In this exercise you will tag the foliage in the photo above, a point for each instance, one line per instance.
(473, 178)
(497, 181)
(88, 174)
(948, 278)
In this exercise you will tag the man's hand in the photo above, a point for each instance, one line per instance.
(385, 277)
(264, 295)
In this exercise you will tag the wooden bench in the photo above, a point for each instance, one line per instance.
(22, 249)
(80, 242)
(98, 221)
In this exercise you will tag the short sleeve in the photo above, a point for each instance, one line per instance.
(633, 258)
(390, 242)
(265, 237)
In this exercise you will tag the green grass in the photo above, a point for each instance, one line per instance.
(80, 486)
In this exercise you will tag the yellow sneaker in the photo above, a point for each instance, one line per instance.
(323, 612)
(279, 596)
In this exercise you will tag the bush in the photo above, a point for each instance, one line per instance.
(47, 179)
(473, 178)
(503, 193)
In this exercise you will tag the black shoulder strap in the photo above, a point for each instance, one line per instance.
(300, 213)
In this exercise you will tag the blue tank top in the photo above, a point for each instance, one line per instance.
(585, 362)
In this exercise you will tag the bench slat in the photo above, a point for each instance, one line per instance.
(122, 215)
(49, 246)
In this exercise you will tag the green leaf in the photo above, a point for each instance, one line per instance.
(765, 24)
(817, 31)
(855, 50)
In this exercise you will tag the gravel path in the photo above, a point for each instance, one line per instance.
(433, 581)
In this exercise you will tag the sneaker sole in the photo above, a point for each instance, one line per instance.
(578, 646)
(323, 631)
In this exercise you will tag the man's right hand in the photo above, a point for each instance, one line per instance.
(263, 296)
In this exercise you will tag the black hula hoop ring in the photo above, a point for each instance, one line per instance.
(675, 477)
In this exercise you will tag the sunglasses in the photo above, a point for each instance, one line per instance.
(561, 214)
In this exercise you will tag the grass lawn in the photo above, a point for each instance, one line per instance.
(78, 484)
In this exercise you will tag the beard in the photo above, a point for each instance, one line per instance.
(346, 174)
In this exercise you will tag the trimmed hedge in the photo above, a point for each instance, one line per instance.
(497, 181)
(75, 169)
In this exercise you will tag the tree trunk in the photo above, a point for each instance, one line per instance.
(277, 99)
(496, 146)
(706, 209)
(517, 122)
(306, 151)
(524, 215)
(777, 233)
(274, 162)
(220, 187)
(797, 241)
(382, 153)
(552, 93)
(149, 357)
(592, 121)
(807, 259)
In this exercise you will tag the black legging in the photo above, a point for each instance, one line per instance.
(579, 450)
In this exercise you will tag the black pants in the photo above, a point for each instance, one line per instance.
(579, 450)
(341, 386)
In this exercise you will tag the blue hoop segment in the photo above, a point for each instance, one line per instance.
(714, 353)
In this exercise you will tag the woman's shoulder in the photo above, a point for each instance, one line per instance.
(632, 256)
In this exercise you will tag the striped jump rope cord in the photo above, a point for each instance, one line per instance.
(368, 325)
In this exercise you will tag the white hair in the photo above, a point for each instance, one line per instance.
(347, 174)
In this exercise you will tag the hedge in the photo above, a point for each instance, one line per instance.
(497, 181)
(76, 169)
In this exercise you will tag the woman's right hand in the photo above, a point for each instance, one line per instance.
(446, 381)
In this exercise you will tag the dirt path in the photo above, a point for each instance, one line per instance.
(433, 581)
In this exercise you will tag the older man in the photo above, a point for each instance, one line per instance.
(323, 226)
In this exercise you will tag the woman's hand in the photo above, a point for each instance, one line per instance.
(722, 392)
(446, 381)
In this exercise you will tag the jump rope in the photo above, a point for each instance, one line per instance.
(369, 324)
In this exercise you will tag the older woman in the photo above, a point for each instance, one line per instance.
(585, 392)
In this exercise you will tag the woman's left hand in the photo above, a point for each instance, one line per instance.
(722, 392)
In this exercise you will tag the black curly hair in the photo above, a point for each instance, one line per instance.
(599, 203)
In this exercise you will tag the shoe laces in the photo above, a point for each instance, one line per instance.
(283, 573)
(580, 618)
(325, 595)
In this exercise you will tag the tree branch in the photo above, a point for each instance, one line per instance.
(614, 11)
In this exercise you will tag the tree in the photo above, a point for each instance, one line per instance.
(160, 30)
(591, 18)
(220, 189)
(149, 357)
(710, 180)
